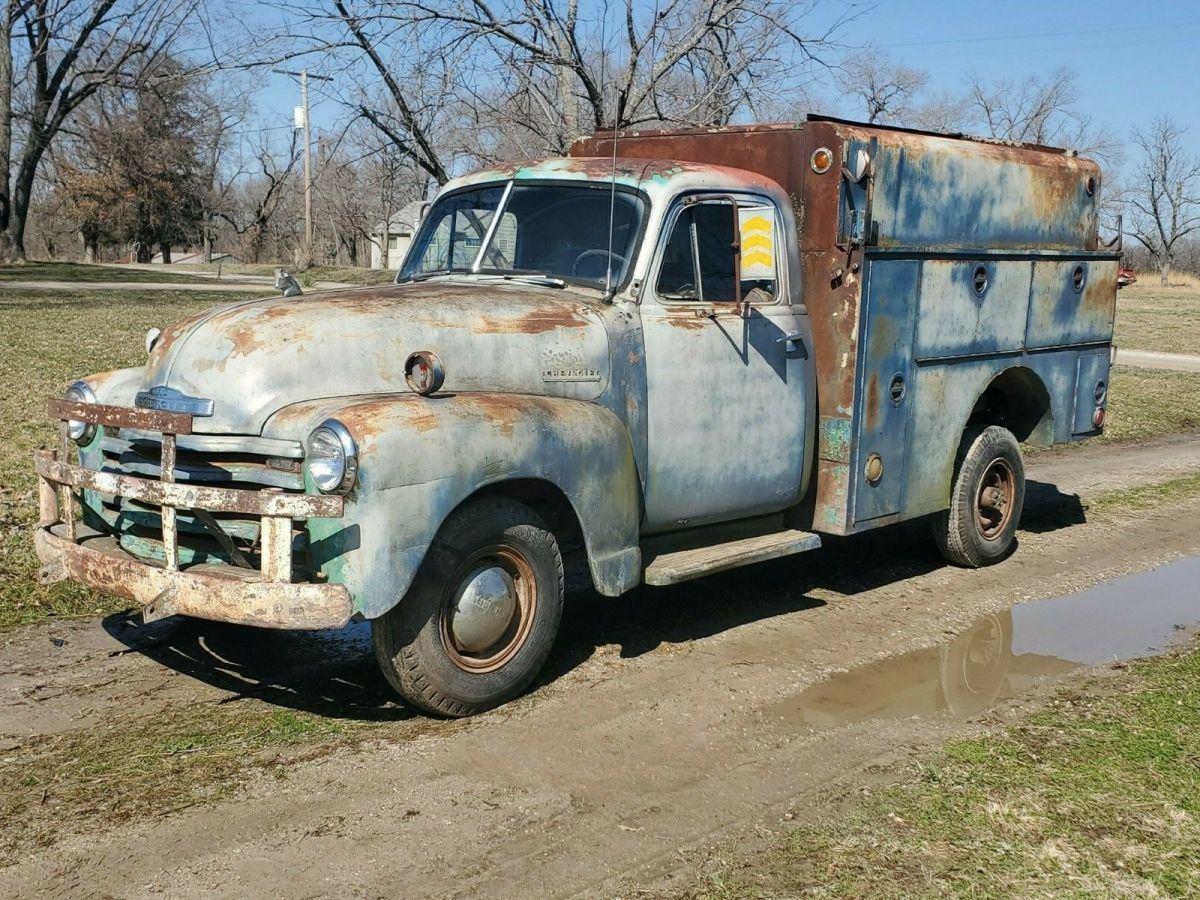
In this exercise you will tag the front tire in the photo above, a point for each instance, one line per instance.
(479, 620)
(986, 499)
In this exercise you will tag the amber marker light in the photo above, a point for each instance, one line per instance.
(821, 160)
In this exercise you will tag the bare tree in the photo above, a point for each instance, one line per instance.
(263, 196)
(225, 107)
(1165, 193)
(1040, 111)
(434, 76)
(68, 51)
(943, 112)
(887, 90)
(8, 12)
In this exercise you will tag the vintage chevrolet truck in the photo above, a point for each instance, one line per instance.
(666, 355)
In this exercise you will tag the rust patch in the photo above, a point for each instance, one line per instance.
(536, 321)
(687, 323)
(1100, 294)
(374, 417)
(503, 410)
(218, 593)
(872, 403)
(192, 496)
(120, 416)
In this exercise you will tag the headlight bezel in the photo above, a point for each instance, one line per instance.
(335, 480)
(82, 433)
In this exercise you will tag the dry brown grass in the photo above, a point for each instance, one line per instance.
(1167, 319)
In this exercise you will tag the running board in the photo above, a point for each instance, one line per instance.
(671, 567)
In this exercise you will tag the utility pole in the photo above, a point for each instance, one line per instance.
(308, 225)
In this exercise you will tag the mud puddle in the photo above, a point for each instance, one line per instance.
(1004, 655)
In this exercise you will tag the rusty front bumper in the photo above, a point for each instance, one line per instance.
(266, 597)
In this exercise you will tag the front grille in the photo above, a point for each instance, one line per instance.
(246, 463)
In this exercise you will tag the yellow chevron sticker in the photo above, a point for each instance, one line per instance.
(757, 225)
(757, 258)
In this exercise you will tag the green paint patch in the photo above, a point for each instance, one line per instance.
(1099, 795)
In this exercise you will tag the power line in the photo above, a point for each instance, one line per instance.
(1167, 27)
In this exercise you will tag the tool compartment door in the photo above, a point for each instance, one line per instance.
(885, 380)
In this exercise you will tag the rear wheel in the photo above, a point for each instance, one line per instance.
(986, 499)
(482, 613)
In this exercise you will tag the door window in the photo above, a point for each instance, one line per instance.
(700, 261)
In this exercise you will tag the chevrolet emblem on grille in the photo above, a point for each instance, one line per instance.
(167, 399)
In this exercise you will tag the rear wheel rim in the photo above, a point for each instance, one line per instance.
(995, 499)
(473, 638)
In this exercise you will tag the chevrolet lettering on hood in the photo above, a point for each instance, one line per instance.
(165, 399)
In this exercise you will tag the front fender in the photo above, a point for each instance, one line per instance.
(420, 457)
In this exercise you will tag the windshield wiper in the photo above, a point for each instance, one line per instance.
(540, 278)
(424, 276)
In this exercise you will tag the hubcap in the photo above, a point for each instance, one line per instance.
(485, 607)
(994, 502)
(489, 609)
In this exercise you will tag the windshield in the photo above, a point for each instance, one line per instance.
(548, 230)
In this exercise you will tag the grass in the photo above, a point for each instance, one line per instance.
(1098, 795)
(1167, 319)
(1146, 403)
(64, 271)
(132, 768)
(1144, 496)
(49, 339)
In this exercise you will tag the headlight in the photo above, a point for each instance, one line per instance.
(332, 457)
(80, 432)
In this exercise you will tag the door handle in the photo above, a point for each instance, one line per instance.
(790, 338)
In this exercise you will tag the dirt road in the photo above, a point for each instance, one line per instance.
(1150, 359)
(654, 734)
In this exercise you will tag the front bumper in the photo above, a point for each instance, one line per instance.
(265, 597)
(218, 592)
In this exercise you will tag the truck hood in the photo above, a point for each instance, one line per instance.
(257, 357)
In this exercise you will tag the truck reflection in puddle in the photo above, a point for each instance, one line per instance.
(1003, 655)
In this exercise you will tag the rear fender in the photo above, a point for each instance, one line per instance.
(421, 457)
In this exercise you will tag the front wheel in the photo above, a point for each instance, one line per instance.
(482, 613)
(985, 500)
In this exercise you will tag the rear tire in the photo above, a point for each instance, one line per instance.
(986, 499)
(479, 620)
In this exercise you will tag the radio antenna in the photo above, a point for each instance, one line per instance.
(612, 206)
(612, 185)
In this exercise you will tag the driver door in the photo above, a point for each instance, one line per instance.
(727, 399)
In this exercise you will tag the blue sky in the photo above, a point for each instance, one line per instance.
(1130, 66)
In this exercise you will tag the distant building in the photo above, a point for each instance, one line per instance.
(390, 240)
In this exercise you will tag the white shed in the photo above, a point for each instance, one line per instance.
(390, 240)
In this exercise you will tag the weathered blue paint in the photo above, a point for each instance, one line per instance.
(962, 342)
(932, 192)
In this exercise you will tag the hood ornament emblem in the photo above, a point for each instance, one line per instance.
(165, 399)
